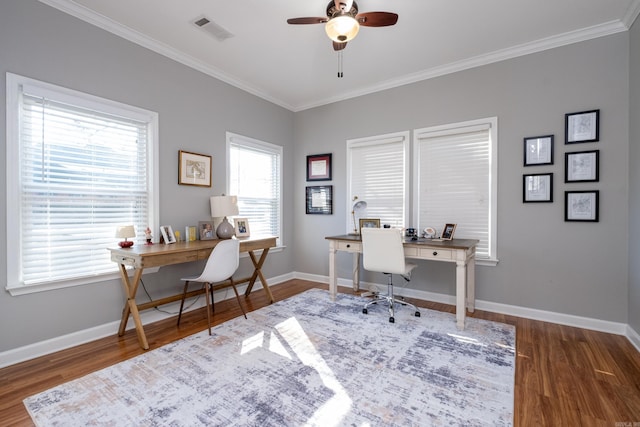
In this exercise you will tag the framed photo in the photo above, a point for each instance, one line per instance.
(582, 166)
(319, 167)
(206, 230)
(538, 150)
(167, 234)
(537, 188)
(320, 200)
(582, 127)
(190, 233)
(581, 205)
(447, 231)
(194, 169)
(242, 227)
(369, 223)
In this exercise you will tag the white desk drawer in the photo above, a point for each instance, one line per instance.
(433, 253)
(350, 246)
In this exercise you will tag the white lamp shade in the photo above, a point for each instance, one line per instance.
(224, 206)
(125, 231)
(342, 28)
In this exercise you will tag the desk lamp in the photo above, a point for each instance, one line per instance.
(357, 205)
(125, 231)
(224, 206)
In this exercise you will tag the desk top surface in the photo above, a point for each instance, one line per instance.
(246, 244)
(451, 244)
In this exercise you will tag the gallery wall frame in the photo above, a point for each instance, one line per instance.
(319, 167)
(538, 150)
(537, 188)
(194, 169)
(582, 166)
(583, 126)
(582, 206)
(319, 200)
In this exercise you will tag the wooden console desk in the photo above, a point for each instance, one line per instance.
(460, 251)
(157, 255)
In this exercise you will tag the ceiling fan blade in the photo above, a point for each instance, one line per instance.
(377, 19)
(307, 20)
(339, 46)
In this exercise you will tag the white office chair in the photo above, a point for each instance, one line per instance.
(222, 263)
(382, 251)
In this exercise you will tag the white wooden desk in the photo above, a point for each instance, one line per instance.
(143, 256)
(460, 251)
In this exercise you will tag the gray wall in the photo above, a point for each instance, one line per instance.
(634, 178)
(195, 111)
(545, 263)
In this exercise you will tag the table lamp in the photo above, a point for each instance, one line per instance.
(357, 206)
(224, 206)
(124, 232)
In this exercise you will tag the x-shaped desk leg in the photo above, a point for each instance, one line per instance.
(130, 307)
(257, 272)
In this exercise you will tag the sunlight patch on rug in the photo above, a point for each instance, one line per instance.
(304, 361)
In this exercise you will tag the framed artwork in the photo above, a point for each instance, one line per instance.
(320, 200)
(369, 223)
(581, 205)
(194, 169)
(582, 166)
(167, 234)
(206, 231)
(582, 127)
(319, 167)
(538, 150)
(447, 231)
(537, 188)
(242, 227)
(190, 233)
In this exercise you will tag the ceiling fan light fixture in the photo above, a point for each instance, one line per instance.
(342, 28)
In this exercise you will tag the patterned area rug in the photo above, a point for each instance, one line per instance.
(304, 361)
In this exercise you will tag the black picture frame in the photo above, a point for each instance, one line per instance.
(582, 206)
(319, 167)
(537, 188)
(582, 166)
(583, 126)
(319, 200)
(538, 150)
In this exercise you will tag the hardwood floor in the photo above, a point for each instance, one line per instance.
(564, 376)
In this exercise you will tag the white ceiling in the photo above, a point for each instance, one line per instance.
(295, 66)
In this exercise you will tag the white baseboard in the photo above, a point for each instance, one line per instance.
(42, 348)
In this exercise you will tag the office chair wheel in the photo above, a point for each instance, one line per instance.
(365, 311)
(392, 320)
(417, 314)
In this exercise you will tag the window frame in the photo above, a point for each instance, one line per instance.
(263, 146)
(14, 83)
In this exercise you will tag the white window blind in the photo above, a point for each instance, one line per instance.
(255, 178)
(82, 169)
(455, 180)
(377, 169)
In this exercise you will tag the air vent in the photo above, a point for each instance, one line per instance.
(212, 28)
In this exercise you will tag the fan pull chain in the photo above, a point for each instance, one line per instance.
(340, 73)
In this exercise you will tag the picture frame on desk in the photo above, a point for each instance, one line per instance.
(190, 233)
(206, 230)
(448, 231)
(242, 227)
(167, 234)
(369, 223)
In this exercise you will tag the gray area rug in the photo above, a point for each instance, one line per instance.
(304, 361)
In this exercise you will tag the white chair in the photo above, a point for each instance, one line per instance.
(382, 251)
(221, 265)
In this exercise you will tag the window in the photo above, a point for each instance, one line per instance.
(255, 177)
(455, 181)
(377, 173)
(77, 167)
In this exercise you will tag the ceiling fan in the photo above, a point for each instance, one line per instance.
(343, 21)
